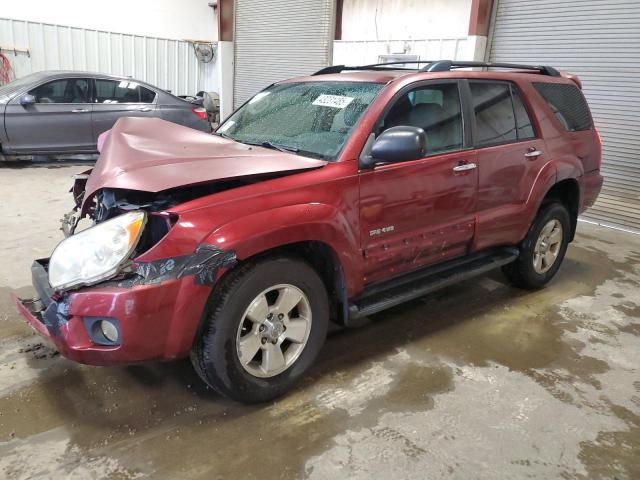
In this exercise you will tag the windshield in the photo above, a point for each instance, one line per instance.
(311, 118)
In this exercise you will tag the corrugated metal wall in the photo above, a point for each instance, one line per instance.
(362, 52)
(279, 39)
(168, 64)
(599, 40)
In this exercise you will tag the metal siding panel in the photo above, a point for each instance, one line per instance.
(169, 64)
(599, 40)
(277, 40)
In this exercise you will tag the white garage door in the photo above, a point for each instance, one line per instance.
(599, 40)
(279, 39)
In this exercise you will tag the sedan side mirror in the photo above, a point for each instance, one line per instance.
(27, 99)
(399, 144)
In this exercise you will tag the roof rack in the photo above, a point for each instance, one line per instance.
(447, 65)
(440, 66)
(373, 66)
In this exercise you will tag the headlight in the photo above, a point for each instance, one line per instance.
(96, 253)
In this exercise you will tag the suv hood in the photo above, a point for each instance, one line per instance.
(151, 155)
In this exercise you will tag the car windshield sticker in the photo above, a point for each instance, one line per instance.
(335, 101)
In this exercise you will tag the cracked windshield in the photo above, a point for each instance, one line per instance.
(311, 118)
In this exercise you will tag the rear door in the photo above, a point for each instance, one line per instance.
(59, 121)
(510, 156)
(420, 211)
(120, 98)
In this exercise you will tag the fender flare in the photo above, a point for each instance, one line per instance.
(545, 180)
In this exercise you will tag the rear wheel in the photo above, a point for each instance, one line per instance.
(543, 249)
(265, 326)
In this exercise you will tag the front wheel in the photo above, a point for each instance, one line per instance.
(543, 249)
(265, 325)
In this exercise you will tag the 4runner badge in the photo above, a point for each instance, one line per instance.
(379, 231)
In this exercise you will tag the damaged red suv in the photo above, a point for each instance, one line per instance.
(328, 197)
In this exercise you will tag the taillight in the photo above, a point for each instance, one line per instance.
(200, 112)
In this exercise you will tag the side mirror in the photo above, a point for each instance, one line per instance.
(399, 144)
(27, 99)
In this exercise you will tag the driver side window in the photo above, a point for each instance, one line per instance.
(436, 109)
(68, 90)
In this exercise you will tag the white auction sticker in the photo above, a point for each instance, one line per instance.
(335, 101)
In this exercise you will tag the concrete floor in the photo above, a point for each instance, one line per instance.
(477, 381)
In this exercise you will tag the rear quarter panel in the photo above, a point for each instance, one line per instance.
(176, 110)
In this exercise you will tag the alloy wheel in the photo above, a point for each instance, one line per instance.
(547, 247)
(274, 330)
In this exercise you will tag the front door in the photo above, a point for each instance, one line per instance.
(421, 211)
(59, 121)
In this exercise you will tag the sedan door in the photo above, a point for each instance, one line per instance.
(58, 122)
(421, 211)
(120, 98)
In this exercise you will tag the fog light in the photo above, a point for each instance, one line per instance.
(109, 331)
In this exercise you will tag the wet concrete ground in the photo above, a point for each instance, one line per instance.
(480, 380)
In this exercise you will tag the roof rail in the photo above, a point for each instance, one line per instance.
(373, 66)
(448, 65)
(439, 66)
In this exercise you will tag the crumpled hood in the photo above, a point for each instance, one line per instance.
(151, 155)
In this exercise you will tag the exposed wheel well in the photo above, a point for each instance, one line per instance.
(566, 192)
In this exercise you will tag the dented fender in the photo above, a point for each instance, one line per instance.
(259, 232)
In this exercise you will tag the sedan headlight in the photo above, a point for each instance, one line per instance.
(96, 253)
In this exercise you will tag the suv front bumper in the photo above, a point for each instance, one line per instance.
(156, 321)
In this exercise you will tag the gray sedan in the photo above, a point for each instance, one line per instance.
(64, 112)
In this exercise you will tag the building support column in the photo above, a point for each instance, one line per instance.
(225, 55)
(479, 21)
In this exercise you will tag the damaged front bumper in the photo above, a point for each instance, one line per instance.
(156, 310)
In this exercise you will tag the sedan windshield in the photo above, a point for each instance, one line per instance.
(311, 118)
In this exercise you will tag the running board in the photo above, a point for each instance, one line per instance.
(390, 293)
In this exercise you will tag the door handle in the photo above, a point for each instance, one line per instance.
(80, 110)
(144, 109)
(532, 154)
(464, 167)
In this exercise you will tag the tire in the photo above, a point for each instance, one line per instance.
(525, 272)
(230, 319)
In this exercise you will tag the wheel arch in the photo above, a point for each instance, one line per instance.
(325, 261)
(567, 192)
(317, 233)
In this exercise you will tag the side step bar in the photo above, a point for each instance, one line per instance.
(387, 294)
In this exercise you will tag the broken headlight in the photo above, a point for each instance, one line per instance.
(96, 253)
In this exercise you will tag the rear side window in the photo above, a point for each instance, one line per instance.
(568, 105)
(495, 118)
(125, 91)
(500, 114)
(523, 120)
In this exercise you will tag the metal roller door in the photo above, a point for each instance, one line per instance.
(279, 39)
(599, 40)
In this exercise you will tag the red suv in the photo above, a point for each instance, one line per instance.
(328, 197)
